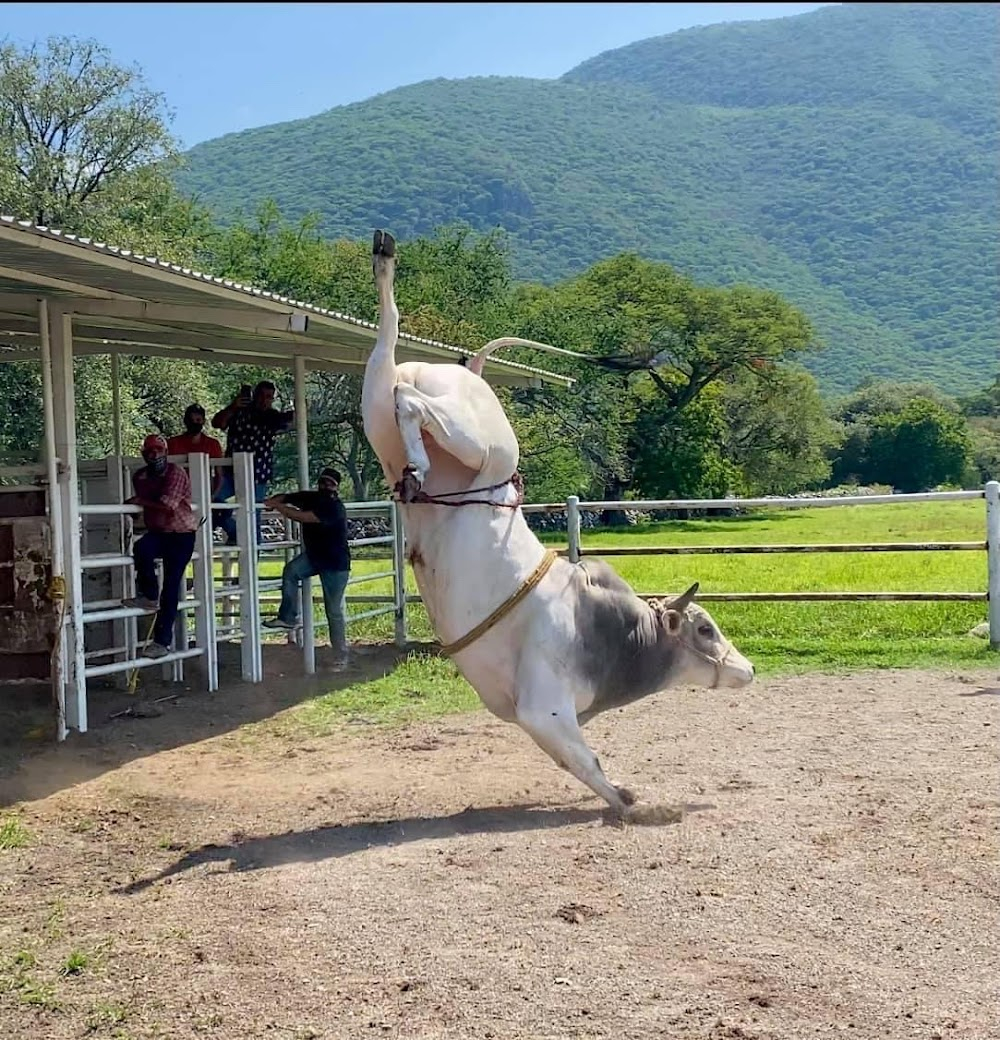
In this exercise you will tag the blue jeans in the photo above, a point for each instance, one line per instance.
(226, 518)
(175, 549)
(334, 589)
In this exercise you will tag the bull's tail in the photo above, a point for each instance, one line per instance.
(477, 363)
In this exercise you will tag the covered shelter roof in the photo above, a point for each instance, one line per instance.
(126, 303)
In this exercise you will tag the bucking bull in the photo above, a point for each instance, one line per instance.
(546, 643)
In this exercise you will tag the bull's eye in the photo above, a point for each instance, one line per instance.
(706, 631)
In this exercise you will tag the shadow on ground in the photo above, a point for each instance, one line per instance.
(164, 715)
(337, 840)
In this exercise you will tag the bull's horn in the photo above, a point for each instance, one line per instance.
(682, 602)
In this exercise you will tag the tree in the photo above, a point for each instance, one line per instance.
(984, 404)
(678, 453)
(636, 315)
(80, 136)
(920, 446)
(336, 431)
(983, 412)
(645, 328)
(84, 147)
(861, 412)
(985, 462)
(777, 431)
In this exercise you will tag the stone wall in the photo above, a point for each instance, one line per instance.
(27, 615)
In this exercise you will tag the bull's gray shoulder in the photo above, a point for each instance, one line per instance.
(597, 572)
(605, 600)
(620, 654)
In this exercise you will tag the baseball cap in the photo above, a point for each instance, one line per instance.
(154, 440)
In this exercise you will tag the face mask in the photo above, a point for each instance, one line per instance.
(158, 465)
(192, 427)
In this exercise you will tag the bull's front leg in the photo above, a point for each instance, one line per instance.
(454, 421)
(410, 419)
(546, 711)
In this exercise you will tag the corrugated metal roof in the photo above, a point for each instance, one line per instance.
(40, 261)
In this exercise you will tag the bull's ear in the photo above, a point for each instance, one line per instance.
(682, 602)
(672, 621)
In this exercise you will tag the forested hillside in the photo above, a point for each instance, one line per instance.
(683, 387)
(846, 158)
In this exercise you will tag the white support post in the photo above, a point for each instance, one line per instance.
(60, 327)
(204, 615)
(116, 405)
(180, 636)
(399, 571)
(302, 443)
(58, 590)
(573, 528)
(993, 559)
(246, 540)
(120, 579)
(228, 613)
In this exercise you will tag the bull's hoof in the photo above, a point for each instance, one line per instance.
(410, 484)
(383, 244)
(627, 796)
(654, 815)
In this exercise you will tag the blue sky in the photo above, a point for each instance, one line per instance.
(227, 67)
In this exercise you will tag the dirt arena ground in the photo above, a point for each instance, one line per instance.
(835, 873)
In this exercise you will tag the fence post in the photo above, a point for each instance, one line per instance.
(399, 568)
(302, 447)
(573, 527)
(246, 539)
(204, 584)
(993, 559)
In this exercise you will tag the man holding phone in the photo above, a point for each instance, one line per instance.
(251, 423)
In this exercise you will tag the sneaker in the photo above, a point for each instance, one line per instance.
(277, 622)
(155, 650)
(142, 602)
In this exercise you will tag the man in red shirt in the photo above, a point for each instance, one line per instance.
(163, 489)
(194, 439)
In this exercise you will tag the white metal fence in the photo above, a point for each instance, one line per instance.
(223, 604)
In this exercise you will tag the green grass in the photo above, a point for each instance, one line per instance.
(13, 833)
(781, 638)
(74, 963)
(795, 637)
(17, 976)
(423, 686)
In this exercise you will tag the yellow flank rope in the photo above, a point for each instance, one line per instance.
(133, 679)
(505, 608)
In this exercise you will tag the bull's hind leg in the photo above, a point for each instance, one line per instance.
(458, 428)
(547, 714)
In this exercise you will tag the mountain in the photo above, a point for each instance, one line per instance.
(847, 158)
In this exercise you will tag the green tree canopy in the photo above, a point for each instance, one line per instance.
(655, 343)
(79, 134)
(919, 447)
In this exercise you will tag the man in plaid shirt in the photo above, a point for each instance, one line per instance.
(163, 490)
(251, 423)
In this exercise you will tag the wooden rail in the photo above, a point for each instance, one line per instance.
(698, 550)
(991, 546)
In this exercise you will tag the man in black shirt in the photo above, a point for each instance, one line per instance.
(325, 552)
